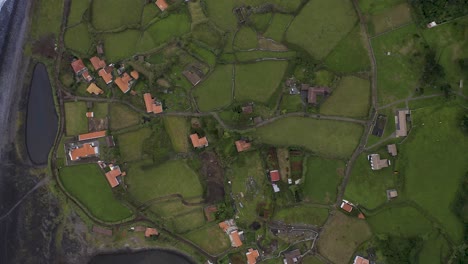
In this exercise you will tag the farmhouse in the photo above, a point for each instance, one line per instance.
(274, 175)
(252, 256)
(242, 145)
(80, 70)
(124, 82)
(193, 75)
(230, 228)
(292, 257)
(149, 232)
(152, 106)
(106, 74)
(392, 150)
(114, 176)
(89, 114)
(313, 92)
(347, 206)
(92, 135)
(392, 193)
(94, 89)
(198, 142)
(87, 76)
(400, 122)
(84, 151)
(360, 260)
(97, 63)
(162, 5)
(377, 163)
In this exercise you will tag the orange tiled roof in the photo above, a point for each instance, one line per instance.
(151, 232)
(252, 256)
(162, 4)
(223, 225)
(112, 175)
(198, 142)
(84, 151)
(346, 206)
(97, 63)
(151, 105)
(89, 114)
(123, 82)
(78, 66)
(135, 75)
(106, 76)
(242, 145)
(87, 76)
(92, 135)
(360, 260)
(94, 89)
(235, 239)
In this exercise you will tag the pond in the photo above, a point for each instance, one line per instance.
(157, 256)
(41, 122)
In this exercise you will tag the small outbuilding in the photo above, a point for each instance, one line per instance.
(392, 149)
(391, 194)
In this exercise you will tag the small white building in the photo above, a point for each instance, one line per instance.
(432, 24)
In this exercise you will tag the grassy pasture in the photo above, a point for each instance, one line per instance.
(258, 81)
(260, 22)
(147, 181)
(341, 236)
(131, 143)
(367, 187)
(436, 147)
(278, 26)
(196, 13)
(75, 118)
(350, 55)
(120, 45)
(246, 38)
(204, 54)
(207, 34)
(150, 11)
(100, 110)
(188, 221)
(330, 138)
(47, 18)
(169, 27)
(390, 18)
(322, 177)
(216, 91)
(177, 129)
(302, 214)
(400, 221)
(435, 250)
(112, 14)
(245, 56)
(171, 208)
(351, 98)
(311, 260)
(89, 185)
(398, 73)
(78, 39)
(77, 9)
(217, 243)
(320, 37)
(291, 103)
(372, 6)
(121, 116)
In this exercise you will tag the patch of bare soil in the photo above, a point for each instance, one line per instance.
(98, 124)
(213, 174)
(45, 46)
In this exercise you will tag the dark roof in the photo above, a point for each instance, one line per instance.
(314, 91)
(110, 141)
(291, 255)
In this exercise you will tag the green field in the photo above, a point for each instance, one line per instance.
(168, 28)
(341, 237)
(150, 12)
(77, 9)
(178, 129)
(302, 214)
(89, 185)
(47, 19)
(400, 221)
(112, 14)
(372, 6)
(75, 118)
(368, 187)
(258, 81)
(290, 103)
(216, 91)
(322, 34)
(351, 98)
(121, 116)
(435, 250)
(189, 221)
(398, 73)
(171, 208)
(278, 26)
(350, 55)
(147, 181)
(330, 138)
(260, 22)
(322, 177)
(248, 165)
(246, 38)
(218, 240)
(311, 260)
(207, 33)
(120, 45)
(436, 147)
(100, 110)
(390, 18)
(131, 144)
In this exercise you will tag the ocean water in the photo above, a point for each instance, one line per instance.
(6, 7)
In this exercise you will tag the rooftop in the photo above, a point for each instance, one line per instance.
(92, 135)
(274, 175)
(162, 5)
(345, 205)
(94, 89)
(242, 145)
(112, 175)
(151, 105)
(151, 232)
(198, 142)
(78, 66)
(97, 63)
(400, 122)
(377, 163)
(84, 151)
(106, 75)
(360, 260)
(252, 256)
(123, 82)
(235, 239)
(392, 150)
(292, 256)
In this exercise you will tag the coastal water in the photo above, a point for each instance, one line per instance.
(158, 256)
(41, 122)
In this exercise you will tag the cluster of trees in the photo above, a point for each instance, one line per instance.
(433, 75)
(400, 250)
(439, 10)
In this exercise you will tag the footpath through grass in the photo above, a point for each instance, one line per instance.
(89, 185)
(330, 138)
(147, 181)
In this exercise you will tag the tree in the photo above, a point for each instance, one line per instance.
(464, 123)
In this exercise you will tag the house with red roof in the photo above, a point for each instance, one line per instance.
(360, 260)
(114, 175)
(152, 106)
(347, 206)
(252, 256)
(242, 145)
(230, 228)
(124, 82)
(92, 135)
(97, 63)
(162, 4)
(198, 142)
(80, 70)
(151, 232)
(275, 175)
(84, 151)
